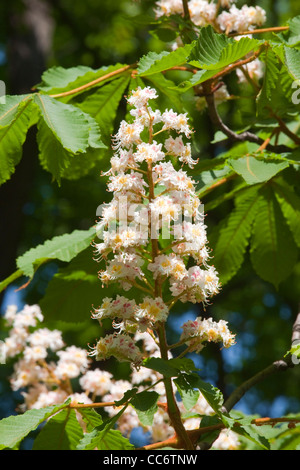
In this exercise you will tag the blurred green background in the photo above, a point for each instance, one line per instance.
(38, 34)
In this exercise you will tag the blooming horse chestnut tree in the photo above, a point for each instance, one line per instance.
(150, 242)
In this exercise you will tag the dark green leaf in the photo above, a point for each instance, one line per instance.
(273, 250)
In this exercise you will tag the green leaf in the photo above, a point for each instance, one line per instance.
(145, 404)
(61, 432)
(15, 120)
(60, 80)
(273, 250)
(15, 428)
(256, 169)
(290, 206)
(90, 417)
(212, 394)
(165, 88)
(254, 435)
(277, 97)
(73, 291)
(162, 366)
(69, 139)
(103, 437)
(103, 104)
(197, 78)
(292, 61)
(215, 51)
(188, 394)
(63, 248)
(291, 37)
(154, 63)
(66, 123)
(234, 236)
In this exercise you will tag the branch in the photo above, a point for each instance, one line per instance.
(186, 9)
(277, 366)
(195, 434)
(233, 136)
(239, 392)
(276, 29)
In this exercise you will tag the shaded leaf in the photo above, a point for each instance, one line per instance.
(61, 432)
(273, 250)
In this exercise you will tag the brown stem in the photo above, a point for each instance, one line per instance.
(275, 29)
(186, 9)
(233, 136)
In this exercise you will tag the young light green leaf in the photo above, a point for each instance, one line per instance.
(103, 104)
(257, 170)
(212, 394)
(90, 417)
(15, 428)
(58, 80)
(292, 61)
(188, 394)
(154, 63)
(214, 51)
(61, 432)
(67, 124)
(63, 248)
(104, 437)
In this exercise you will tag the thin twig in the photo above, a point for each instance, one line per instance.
(233, 136)
(275, 29)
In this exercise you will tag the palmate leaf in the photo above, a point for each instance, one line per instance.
(61, 80)
(63, 248)
(61, 432)
(277, 98)
(69, 140)
(291, 37)
(73, 291)
(16, 116)
(145, 404)
(290, 205)
(66, 123)
(154, 63)
(104, 437)
(15, 428)
(103, 104)
(188, 394)
(273, 249)
(233, 237)
(255, 169)
(214, 51)
(292, 61)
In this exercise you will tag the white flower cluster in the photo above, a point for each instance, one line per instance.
(225, 17)
(46, 381)
(150, 198)
(203, 12)
(44, 378)
(198, 331)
